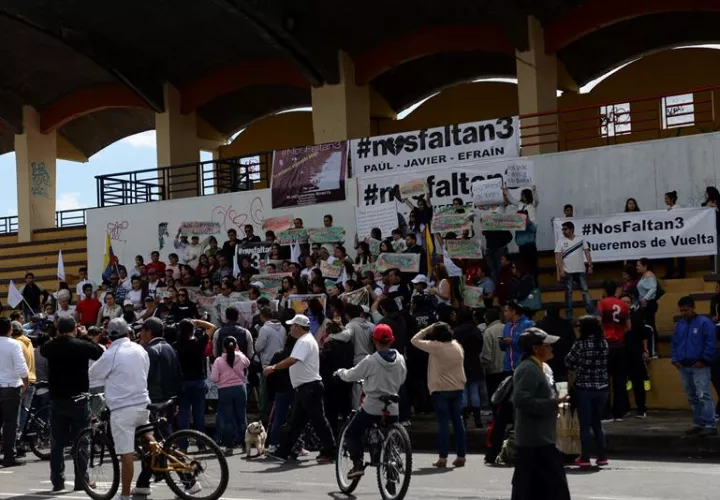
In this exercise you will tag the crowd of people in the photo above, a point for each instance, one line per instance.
(407, 332)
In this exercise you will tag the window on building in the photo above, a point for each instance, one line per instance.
(615, 120)
(677, 111)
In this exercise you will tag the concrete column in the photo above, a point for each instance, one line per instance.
(341, 111)
(537, 93)
(35, 155)
(177, 144)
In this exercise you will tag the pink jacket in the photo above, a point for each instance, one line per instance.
(224, 375)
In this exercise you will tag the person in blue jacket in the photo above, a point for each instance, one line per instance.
(517, 323)
(693, 350)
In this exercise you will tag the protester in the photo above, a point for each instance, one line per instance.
(470, 338)
(615, 317)
(647, 288)
(14, 381)
(636, 344)
(569, 252)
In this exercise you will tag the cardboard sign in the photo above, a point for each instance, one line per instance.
(359, 297)
(383, 217)
(473, 296)
(299, 303)
(488, 192)
(278, 224)
(446, 223)
(519, 174)
(290, 236)
(199, 228)
(413, 188)
(405, 262)
(463, 249)
(490, 221)
(332, 234)
(329, 270)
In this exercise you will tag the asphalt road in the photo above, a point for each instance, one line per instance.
(264, 480)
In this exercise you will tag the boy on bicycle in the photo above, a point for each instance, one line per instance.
(382, 374)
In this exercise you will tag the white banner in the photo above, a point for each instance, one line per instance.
(684, 232)
(433, 148)
(443, 185)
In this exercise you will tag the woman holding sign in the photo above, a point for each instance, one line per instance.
(528, 201)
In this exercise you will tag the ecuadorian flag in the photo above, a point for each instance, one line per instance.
(110, 263)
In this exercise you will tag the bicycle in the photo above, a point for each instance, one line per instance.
(388, 442)
(185, 454)
(36, 431)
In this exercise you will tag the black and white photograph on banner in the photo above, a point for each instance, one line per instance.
(683, 232)
(435, 148)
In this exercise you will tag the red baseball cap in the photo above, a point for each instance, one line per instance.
(384, 334)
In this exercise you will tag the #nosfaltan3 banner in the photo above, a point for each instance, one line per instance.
(655, 234)
(309, 175)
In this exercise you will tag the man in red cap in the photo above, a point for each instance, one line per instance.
(382, 373)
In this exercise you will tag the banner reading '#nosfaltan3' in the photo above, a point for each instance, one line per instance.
(683, 232)
(434, 148)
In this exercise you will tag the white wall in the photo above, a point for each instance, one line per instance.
(234, 210)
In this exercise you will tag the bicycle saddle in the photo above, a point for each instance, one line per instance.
(161, 407)
(390, 399)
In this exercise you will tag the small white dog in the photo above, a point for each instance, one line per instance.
(256, 436)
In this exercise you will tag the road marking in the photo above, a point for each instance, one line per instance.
(6, 471)
(49, 494)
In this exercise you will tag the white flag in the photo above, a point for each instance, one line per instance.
(295, 252)
(61, 267)
(236, 264)
(14, 295)
(453, 270)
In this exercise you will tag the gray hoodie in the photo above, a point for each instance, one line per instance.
(271, 339)
(360, 331)
(382, 375)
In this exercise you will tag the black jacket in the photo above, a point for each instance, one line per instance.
(562, 328)
(470, 338)
(399, 328)
(165, 375)
(521, 287)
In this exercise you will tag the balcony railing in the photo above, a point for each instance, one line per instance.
(63, 218)
(224, 175)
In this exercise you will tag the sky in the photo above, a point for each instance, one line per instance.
(76, 185)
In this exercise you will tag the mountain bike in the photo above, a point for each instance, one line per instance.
(36, 431)
(390, 453)
(188, 460)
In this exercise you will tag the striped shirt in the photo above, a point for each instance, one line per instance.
(572, 251)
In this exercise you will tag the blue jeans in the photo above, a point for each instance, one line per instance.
(590, 407)
(281, 410)
(580, 279)
(471, 392)
(25, 402)
(448, 406)
(696, 384)
(232, 405)
(67, 420)
(192, 400)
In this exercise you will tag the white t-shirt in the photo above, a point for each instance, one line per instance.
(572, 253)
(136, 297)
(307, 368)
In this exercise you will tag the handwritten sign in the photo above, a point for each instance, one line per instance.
(490, 221)
(328, 270)
(413, 188)
(332, 234)
(473, 296)
(405, 262)
(245, 296)
(198, 228)
(278, 224)
(519, 174)
(289, 236)
(383, 217)
(463, 249)
(359, 297)
(488, 192)
(446, 223)
(299, 303)
(271, 280)
(363, 268)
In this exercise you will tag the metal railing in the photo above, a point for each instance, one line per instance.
(630, 120)
(63, 218)
(9, 224)
(225, 175)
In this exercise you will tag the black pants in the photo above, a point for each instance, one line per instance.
(539, 474)
(670, 267)
(67, 420)
(165, 429)
(529, 255)
(308, 407)
(617, 370)
(650, 312)
(9, 408)
(715, 378)
(492, 382)
(637, 373)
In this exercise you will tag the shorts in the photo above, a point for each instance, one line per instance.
(123, 423)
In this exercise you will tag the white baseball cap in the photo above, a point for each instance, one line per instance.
(300, 320)
(420, 278)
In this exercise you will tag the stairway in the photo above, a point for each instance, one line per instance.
(40, 258)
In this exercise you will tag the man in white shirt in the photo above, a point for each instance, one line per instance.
(570, 265)
(13, 383)
(123, 370)
(304, 366)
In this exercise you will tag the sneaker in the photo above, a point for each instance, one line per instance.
(708, 431)
(694, 431)
(618, 420)
(641, 415)
(358, 470)
(582, 463)
(271, 449)
(228, 452)
(628, 386)
(58, 487)
(303, 452)
(194, 489)
(602, 462)
(136, 491)
(607, 420)
(486, 413)
(324, 459)
(647, 386)
(12, 462)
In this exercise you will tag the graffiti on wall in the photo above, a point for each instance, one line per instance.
(40, 181)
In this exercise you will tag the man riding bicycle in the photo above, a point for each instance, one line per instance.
(382, 374)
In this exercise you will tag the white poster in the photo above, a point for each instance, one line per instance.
(487, 192)
(434, 148)
(656, 234)
(383, 217)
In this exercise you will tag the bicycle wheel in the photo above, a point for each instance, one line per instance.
(103, 466)
(343, 464)
(395, 466)
(194, 465)
(39, 433)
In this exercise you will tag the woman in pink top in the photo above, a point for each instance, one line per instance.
(228, 373)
